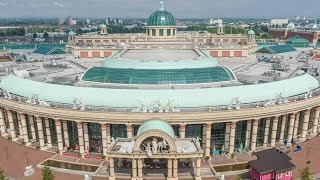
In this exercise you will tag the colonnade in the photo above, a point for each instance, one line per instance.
(252, 131)
(271, 127)
(229, 139)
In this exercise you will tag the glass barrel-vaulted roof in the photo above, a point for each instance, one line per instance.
(158, 76)
(161, 18)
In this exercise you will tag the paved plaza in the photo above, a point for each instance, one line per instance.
(14, 158)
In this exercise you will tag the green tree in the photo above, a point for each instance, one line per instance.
(79, 31)
(305, 174)
(2, 176)
(45, 35)
(47, 173)
(34, 35)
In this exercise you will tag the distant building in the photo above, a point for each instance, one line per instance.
(62, 20)
(109, 21)
(88, 20)
(215, 21)
(312, 35)
(71, 21)
(279, 22)
(118, 21)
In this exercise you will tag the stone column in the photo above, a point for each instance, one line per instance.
(208, 140)
(111, 171)
(65, 133)
(232, 136)
(169, 168)
(108, 135)
(255, 124)
(227, 136)
(140, 166)
(291, 126)
(104, 139)
(132, 127)
(24, 129)
(2, 125)
(204, 136)
(198, 168)
(175, 168)
(129, 130)
(296, 125)
(40, 132)
(80, 136)
(248, 133)
(274, 131)
(182, 131)
(305, 125)
(266, 133)
(283, 127)
(20, 127)
(32, 128)
(49, 142)
(11, 126)
(59, 136)
(86, 137)
(134, 168)
(316, 121)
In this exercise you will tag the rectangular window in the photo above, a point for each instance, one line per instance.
(161, 32)
(288, 173)
(153, 32)
(280, 175)
(174, 32)
(168, 32)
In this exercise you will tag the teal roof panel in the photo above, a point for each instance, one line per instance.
(156, 124)
(128, 98)
(277, 49)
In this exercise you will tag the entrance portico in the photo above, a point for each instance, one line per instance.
(155, 147)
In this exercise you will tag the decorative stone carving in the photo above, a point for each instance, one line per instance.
(29, 171)
(156, 107)
(87, 177)
(162, 146)
(198, 142)
(154, 146)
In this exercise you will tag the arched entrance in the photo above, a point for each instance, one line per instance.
(155, 150)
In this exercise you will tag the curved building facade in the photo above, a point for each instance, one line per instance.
(153, 108)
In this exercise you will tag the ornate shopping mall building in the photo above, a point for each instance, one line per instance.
(158, 104)
(161, 32)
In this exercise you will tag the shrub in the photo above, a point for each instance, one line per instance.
(207, 158)
(47, 173)
(305, 174)
(2, 176)
(233, 155)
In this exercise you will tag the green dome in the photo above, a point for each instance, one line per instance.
(72, 33)
(156, 124)
(251, 32)
(161, 18)
(290, 26)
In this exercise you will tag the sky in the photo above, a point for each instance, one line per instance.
(143, 8)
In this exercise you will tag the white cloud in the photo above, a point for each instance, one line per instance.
(3, 3)
(58, 4)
